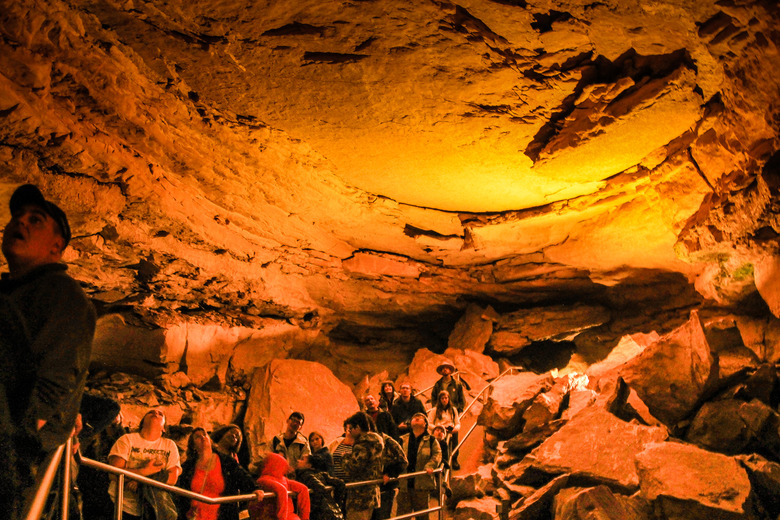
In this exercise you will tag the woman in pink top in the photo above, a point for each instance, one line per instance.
(213, 474)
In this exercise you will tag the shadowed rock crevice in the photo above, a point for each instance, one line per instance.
(617, 80)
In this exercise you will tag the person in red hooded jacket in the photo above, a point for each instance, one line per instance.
(273, 479)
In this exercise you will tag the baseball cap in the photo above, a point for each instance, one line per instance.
(29, 194)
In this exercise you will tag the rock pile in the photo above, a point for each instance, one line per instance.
(655, 431)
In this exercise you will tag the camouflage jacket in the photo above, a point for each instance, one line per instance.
(364, 463)
(393, 461)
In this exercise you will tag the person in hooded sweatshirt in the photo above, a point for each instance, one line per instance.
(273, 479)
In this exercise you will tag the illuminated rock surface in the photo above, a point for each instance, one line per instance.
(338, 182)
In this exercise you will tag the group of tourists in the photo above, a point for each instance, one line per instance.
(46, 329)
(393, 435)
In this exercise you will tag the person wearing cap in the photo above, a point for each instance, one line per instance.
(447, 382)
(291, 443)
(58, 320)
(423, 454)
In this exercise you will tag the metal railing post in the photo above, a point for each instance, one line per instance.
(120, 497)
(38, 500)
(441, 495)
(67, 457)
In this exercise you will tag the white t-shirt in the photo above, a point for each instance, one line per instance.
(138, 452)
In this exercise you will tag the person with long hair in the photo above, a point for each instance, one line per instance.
(212, 473)
(387, 396)
(318, 448)
(446, 415)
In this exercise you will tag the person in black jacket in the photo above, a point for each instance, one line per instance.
(204, 467)
(405, 407)
(324, 504)
(383, 420)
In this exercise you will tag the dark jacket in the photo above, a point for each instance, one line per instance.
(59, 324)
(237, 482)
(402, 412)
(454, 388)
(385, 424)
(394, 462)
(324, 504)
(326, 458)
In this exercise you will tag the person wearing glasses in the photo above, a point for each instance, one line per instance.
(291, 443)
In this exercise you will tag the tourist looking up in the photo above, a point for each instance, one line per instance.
(318, 448)
(387, 395)
(383, 420)
(405, 407)
(324, 503)
(46, 330)
(291, 443)
(209, 472)
(364, 463)
(424, 454)
(440, 434)
(274, 469)
(145, 452)
(445, 415)
(227, 440)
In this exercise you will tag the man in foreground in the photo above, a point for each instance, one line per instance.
(364, 463)
(424, 454)
(47, 326)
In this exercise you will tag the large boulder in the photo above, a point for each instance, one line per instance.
(762, 336)
(517, 330)
(484, 508)
(287, 385)
(598, 503)
(603, 373)
(596, 445)
(672, 375)
(731, 426)
(539, 504)
(767, 277)
(765, 477)
(687, 483)
(510, 397)
(546, 406)
(473, 329)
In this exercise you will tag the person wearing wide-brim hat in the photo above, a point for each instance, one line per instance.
(453, 387)
(445, 364)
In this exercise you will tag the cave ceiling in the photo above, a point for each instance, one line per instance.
(358, 164)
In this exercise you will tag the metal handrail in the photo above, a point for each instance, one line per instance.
(465, 411)
(167, 487)
(38, 501)
(240, 498)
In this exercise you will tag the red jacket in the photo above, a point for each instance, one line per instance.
(273, 480)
